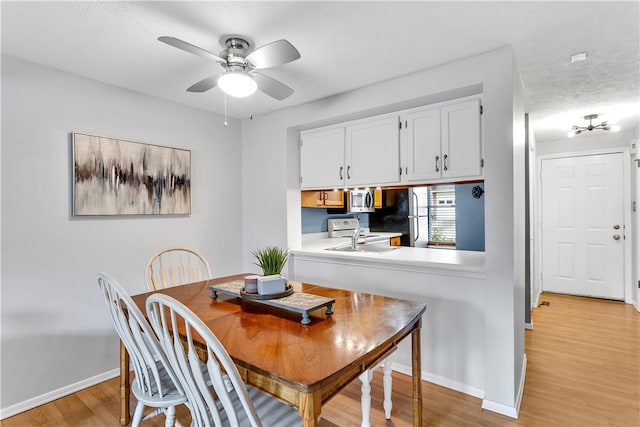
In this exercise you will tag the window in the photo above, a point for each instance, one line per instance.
(441, 205)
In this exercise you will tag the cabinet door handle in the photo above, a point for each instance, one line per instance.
(349, 172)
(444, 162)
(341, 167)
(437, 159)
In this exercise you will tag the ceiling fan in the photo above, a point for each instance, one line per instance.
(239, 77)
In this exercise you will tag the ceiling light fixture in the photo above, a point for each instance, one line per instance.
(238, 84)
(575, 130)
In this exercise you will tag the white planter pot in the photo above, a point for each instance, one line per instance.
(274, 284)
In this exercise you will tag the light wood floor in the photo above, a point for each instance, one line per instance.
(583, 370)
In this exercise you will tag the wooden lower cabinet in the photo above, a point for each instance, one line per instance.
(322, 199)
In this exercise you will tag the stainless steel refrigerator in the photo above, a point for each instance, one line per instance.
(403, 211)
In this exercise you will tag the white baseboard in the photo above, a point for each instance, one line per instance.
(441, 381)
(56, 394)
(509, 411)
(529, 325)
(523, 376)
(499, 408)
(536, 299)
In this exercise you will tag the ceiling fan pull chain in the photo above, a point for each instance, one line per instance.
(225, 110)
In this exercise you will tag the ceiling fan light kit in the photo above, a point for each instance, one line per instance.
(237, 83)
(577, 130)
(239, 80)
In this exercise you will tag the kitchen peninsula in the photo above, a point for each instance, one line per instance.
(450, 282)
(442, 261)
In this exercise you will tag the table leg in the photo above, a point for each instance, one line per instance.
(417, 375)
(125, 387)
(309, 408)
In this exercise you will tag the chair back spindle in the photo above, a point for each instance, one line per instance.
(177, 326)
(176, 266)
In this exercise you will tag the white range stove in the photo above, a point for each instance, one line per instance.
(344, 227)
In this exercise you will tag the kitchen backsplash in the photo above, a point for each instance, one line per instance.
(469, 218)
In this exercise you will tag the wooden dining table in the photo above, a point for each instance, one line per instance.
(303, 365)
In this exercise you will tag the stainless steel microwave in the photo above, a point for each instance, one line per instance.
(360, 201)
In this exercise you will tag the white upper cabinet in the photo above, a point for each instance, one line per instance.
(431, 144)
(423, 146)
(443, 143)
(372, 155)
(461, 142)
(322, 159)
(361, 153)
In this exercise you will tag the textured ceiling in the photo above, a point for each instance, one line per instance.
(344, 45)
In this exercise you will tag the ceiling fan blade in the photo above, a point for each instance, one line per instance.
(188, 47)
(272, 54)
(272, 87)
(204, 84)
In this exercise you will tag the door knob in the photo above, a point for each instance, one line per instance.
(616, 237)
(616, 227)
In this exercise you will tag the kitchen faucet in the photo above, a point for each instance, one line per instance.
(355, 237)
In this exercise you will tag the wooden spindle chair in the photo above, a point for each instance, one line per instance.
(215, 405)
(176, 266)
(154, 384)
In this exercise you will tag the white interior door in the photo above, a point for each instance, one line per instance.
(582, 225)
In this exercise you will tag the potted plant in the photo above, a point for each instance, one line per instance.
(271, 260)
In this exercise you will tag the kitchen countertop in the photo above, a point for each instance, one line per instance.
(448, 261)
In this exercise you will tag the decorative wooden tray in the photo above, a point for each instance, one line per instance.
(298, 302)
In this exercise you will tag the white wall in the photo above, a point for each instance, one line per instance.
(519, 225)
(534, 242)
(586, 142)
(635, 173)
(269, 145)
(55, 328)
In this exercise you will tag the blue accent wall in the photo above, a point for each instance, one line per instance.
(314, 220)
(469, 218)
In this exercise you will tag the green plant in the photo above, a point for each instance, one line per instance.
(271, 259)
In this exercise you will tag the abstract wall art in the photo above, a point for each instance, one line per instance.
(116, 177)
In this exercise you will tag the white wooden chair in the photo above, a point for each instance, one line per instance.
(155, 384)
(365, 391)
(176, 266)
(216, 405)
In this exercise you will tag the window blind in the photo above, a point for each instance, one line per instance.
(442, 215)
